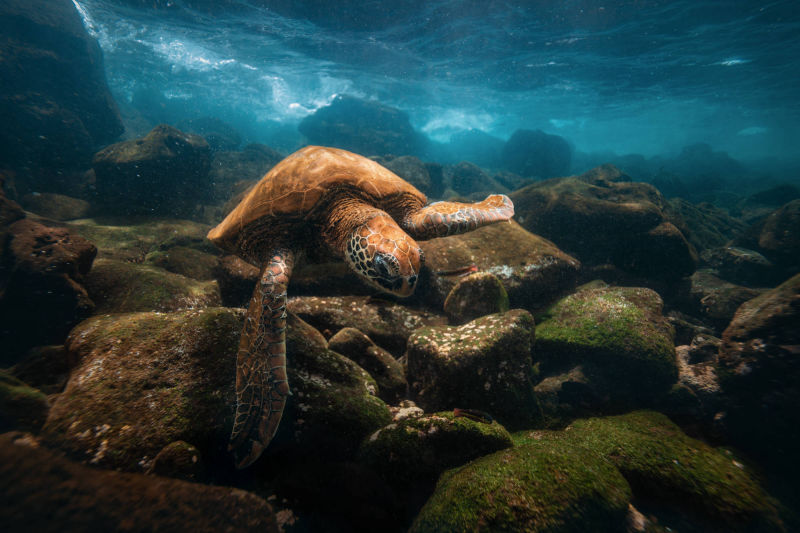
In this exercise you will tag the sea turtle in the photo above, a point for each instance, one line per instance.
(333, 201)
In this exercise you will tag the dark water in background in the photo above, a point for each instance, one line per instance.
(643, 77)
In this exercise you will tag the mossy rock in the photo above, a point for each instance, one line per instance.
(617, 334)
(146, 380)
(21, 406)
(534, 487)
(484, 364)
(186, 261)
(416, 450)
(132, 238)
(55, 206)
(120, 287)
(475, 296)
(663, 464)
(333, 405)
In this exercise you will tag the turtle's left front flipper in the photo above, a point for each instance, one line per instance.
(261, 382)
(441, 219)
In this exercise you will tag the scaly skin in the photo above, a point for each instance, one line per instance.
(441, 219)
(261, 382)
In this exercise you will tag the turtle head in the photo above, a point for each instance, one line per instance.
(385, 256)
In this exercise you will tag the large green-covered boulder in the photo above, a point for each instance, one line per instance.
(484, 364)
(619, 339)
(416, 450)
(534, 487)
(662, 464)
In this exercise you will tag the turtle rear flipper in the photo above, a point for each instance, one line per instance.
(261, 382)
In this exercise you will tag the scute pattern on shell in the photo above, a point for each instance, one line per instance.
(299, 183)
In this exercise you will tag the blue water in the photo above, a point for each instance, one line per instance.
(643, 77)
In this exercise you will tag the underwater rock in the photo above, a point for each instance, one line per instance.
(56, 206)
(484, 364)
(219, 135)
(760, 374)
(411, 169)
(663, 465)
(145, 380)
(533, 270)
(740, 266)
(780, 236)
(387, 323)
(475, 146)
(475, 295)
(511, 181)
(236, 278)
(229, 170)
(44, 367)
(120, 287)
(333, 406)
(413, 452)
(362, 126)
(179, 460)
(131, 239)
(716, 300)
(536, 153)
(43, 491)
(619, 337)
(534, 487)
(600, 220)
(381, 365)
(704, 225)
(186, 261)
(41, 286)
(163, 173)
(54, 100)
(468, 179)
(21, 406)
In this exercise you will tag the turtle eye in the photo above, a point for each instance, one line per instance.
(421, 257)
(381, 265)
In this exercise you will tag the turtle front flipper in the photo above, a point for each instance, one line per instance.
(441, 219)
(261, 383)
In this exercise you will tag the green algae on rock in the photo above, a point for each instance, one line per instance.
(484, 364)
(416, 450)
(145, 380)
(661, 462)
(617, 333)
(534, 487)
(21, 406)
(120, 287)
(474, 296)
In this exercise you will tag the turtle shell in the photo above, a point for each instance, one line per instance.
(298, 184)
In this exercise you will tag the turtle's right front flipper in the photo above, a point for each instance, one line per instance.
(441, 219)
(261, 383)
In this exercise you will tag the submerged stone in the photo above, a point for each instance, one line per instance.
(484, 364)
(21, 406)
(618, 336)
(475, 296)
(531, 487)
(55, 206)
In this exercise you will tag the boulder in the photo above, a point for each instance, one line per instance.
(229, 169)
(179, 460)
(663, 465)
(41, 286)
(387, 323)
(484, 364)
(474, 296)
(381, 365)
(414, 451)
(741, 266)
(21, 406)
(534, 487)
(467, 179)
(601, 219)
(716, 300)
(760, 375)
(536, 153)
(704, 225)
(236, 278)
(533, 270)
(163, 173)
(780, 236)
(54, 100)
(219, 135)
(44, 367)
(411, 169)
(43, 491)
(621, 343)
(119, 287)
(362, 126)
(186, 261)
(55, 206)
